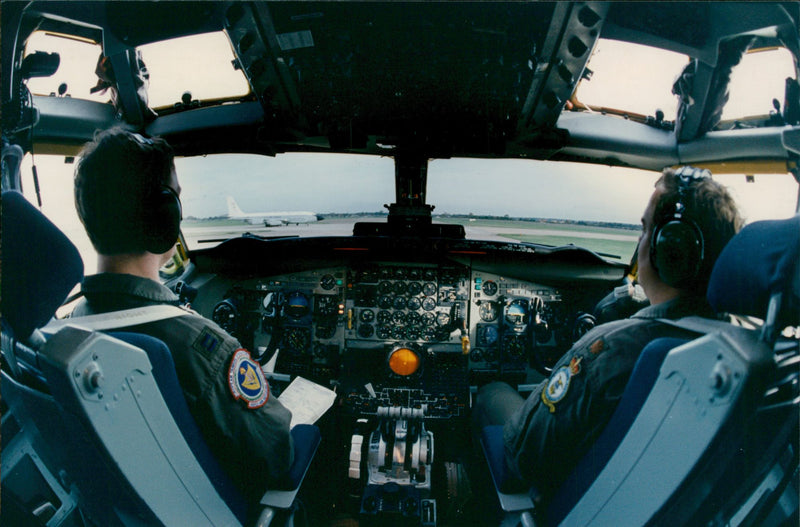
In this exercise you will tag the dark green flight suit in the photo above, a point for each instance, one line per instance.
(253, 446)
(548, 433)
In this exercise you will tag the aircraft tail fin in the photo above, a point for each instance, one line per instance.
(233, 208)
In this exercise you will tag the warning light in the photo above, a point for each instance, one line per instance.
(404, 362)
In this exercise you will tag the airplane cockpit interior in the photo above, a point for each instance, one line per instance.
(390, 206)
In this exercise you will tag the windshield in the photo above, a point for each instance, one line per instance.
(545, 202)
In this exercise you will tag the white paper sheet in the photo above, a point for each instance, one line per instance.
(307, 401)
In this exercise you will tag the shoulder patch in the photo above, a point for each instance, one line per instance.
(597, 346)
(207, 343)
(557, 386)
(246, 380)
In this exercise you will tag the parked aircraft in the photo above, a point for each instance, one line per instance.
(486, 165)
(270, 219)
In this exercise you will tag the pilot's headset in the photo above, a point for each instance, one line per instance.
(161, 223)
(677, 247)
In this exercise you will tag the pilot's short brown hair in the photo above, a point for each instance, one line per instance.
(116, 174)
(711, 207)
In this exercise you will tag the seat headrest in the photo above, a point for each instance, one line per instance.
(40, 266)
(761, 260)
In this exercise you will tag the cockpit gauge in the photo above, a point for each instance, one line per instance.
(443, 318)
(385, 302)
(226, 314)
(327, 282)
(297, 305)
(326, 305)
(367, 315)
(489, 288)
(428, 319)
(325, 331)
(429, 289)
(384, 317)
(398, 318)
(413, 288)
(296, 338)
(399, 302)
(384, 288)
(365, 331)
(517, 313)
(414, 303)
(514, 346)
(384, 332)
(487, 335)
(488, 311)
(399, 288)
(428, 304)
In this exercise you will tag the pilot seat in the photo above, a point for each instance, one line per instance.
(706, 432)
(95, 429)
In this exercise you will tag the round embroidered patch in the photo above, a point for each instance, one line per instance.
(246, 380)
(557, 386)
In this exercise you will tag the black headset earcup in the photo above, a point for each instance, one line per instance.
(163, 222)
(676, 252)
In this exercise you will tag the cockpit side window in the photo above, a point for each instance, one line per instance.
(756, 81)
(641, 84)
(202, 65)
(75, 76)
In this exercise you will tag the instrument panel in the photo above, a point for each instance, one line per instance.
(325, 324)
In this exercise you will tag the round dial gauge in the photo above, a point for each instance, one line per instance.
(367, 315)
(325, 331)
(443, 318)
(489, 288)
(429, 304)
(488, 311)
(365, 331)
(414, 303)
(297, 305)
(384, 317)
(488, 336)
(399, 302)
(398, 318)
(429, 289)
(414, 288)
(327, 282)
(326, 305)
(517, 313)
(428, 319)
(385, 302)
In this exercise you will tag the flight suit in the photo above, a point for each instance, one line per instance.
(549, 432)
(248, 436)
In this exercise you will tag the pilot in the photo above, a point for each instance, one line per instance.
(127, 196)
(687, 222)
